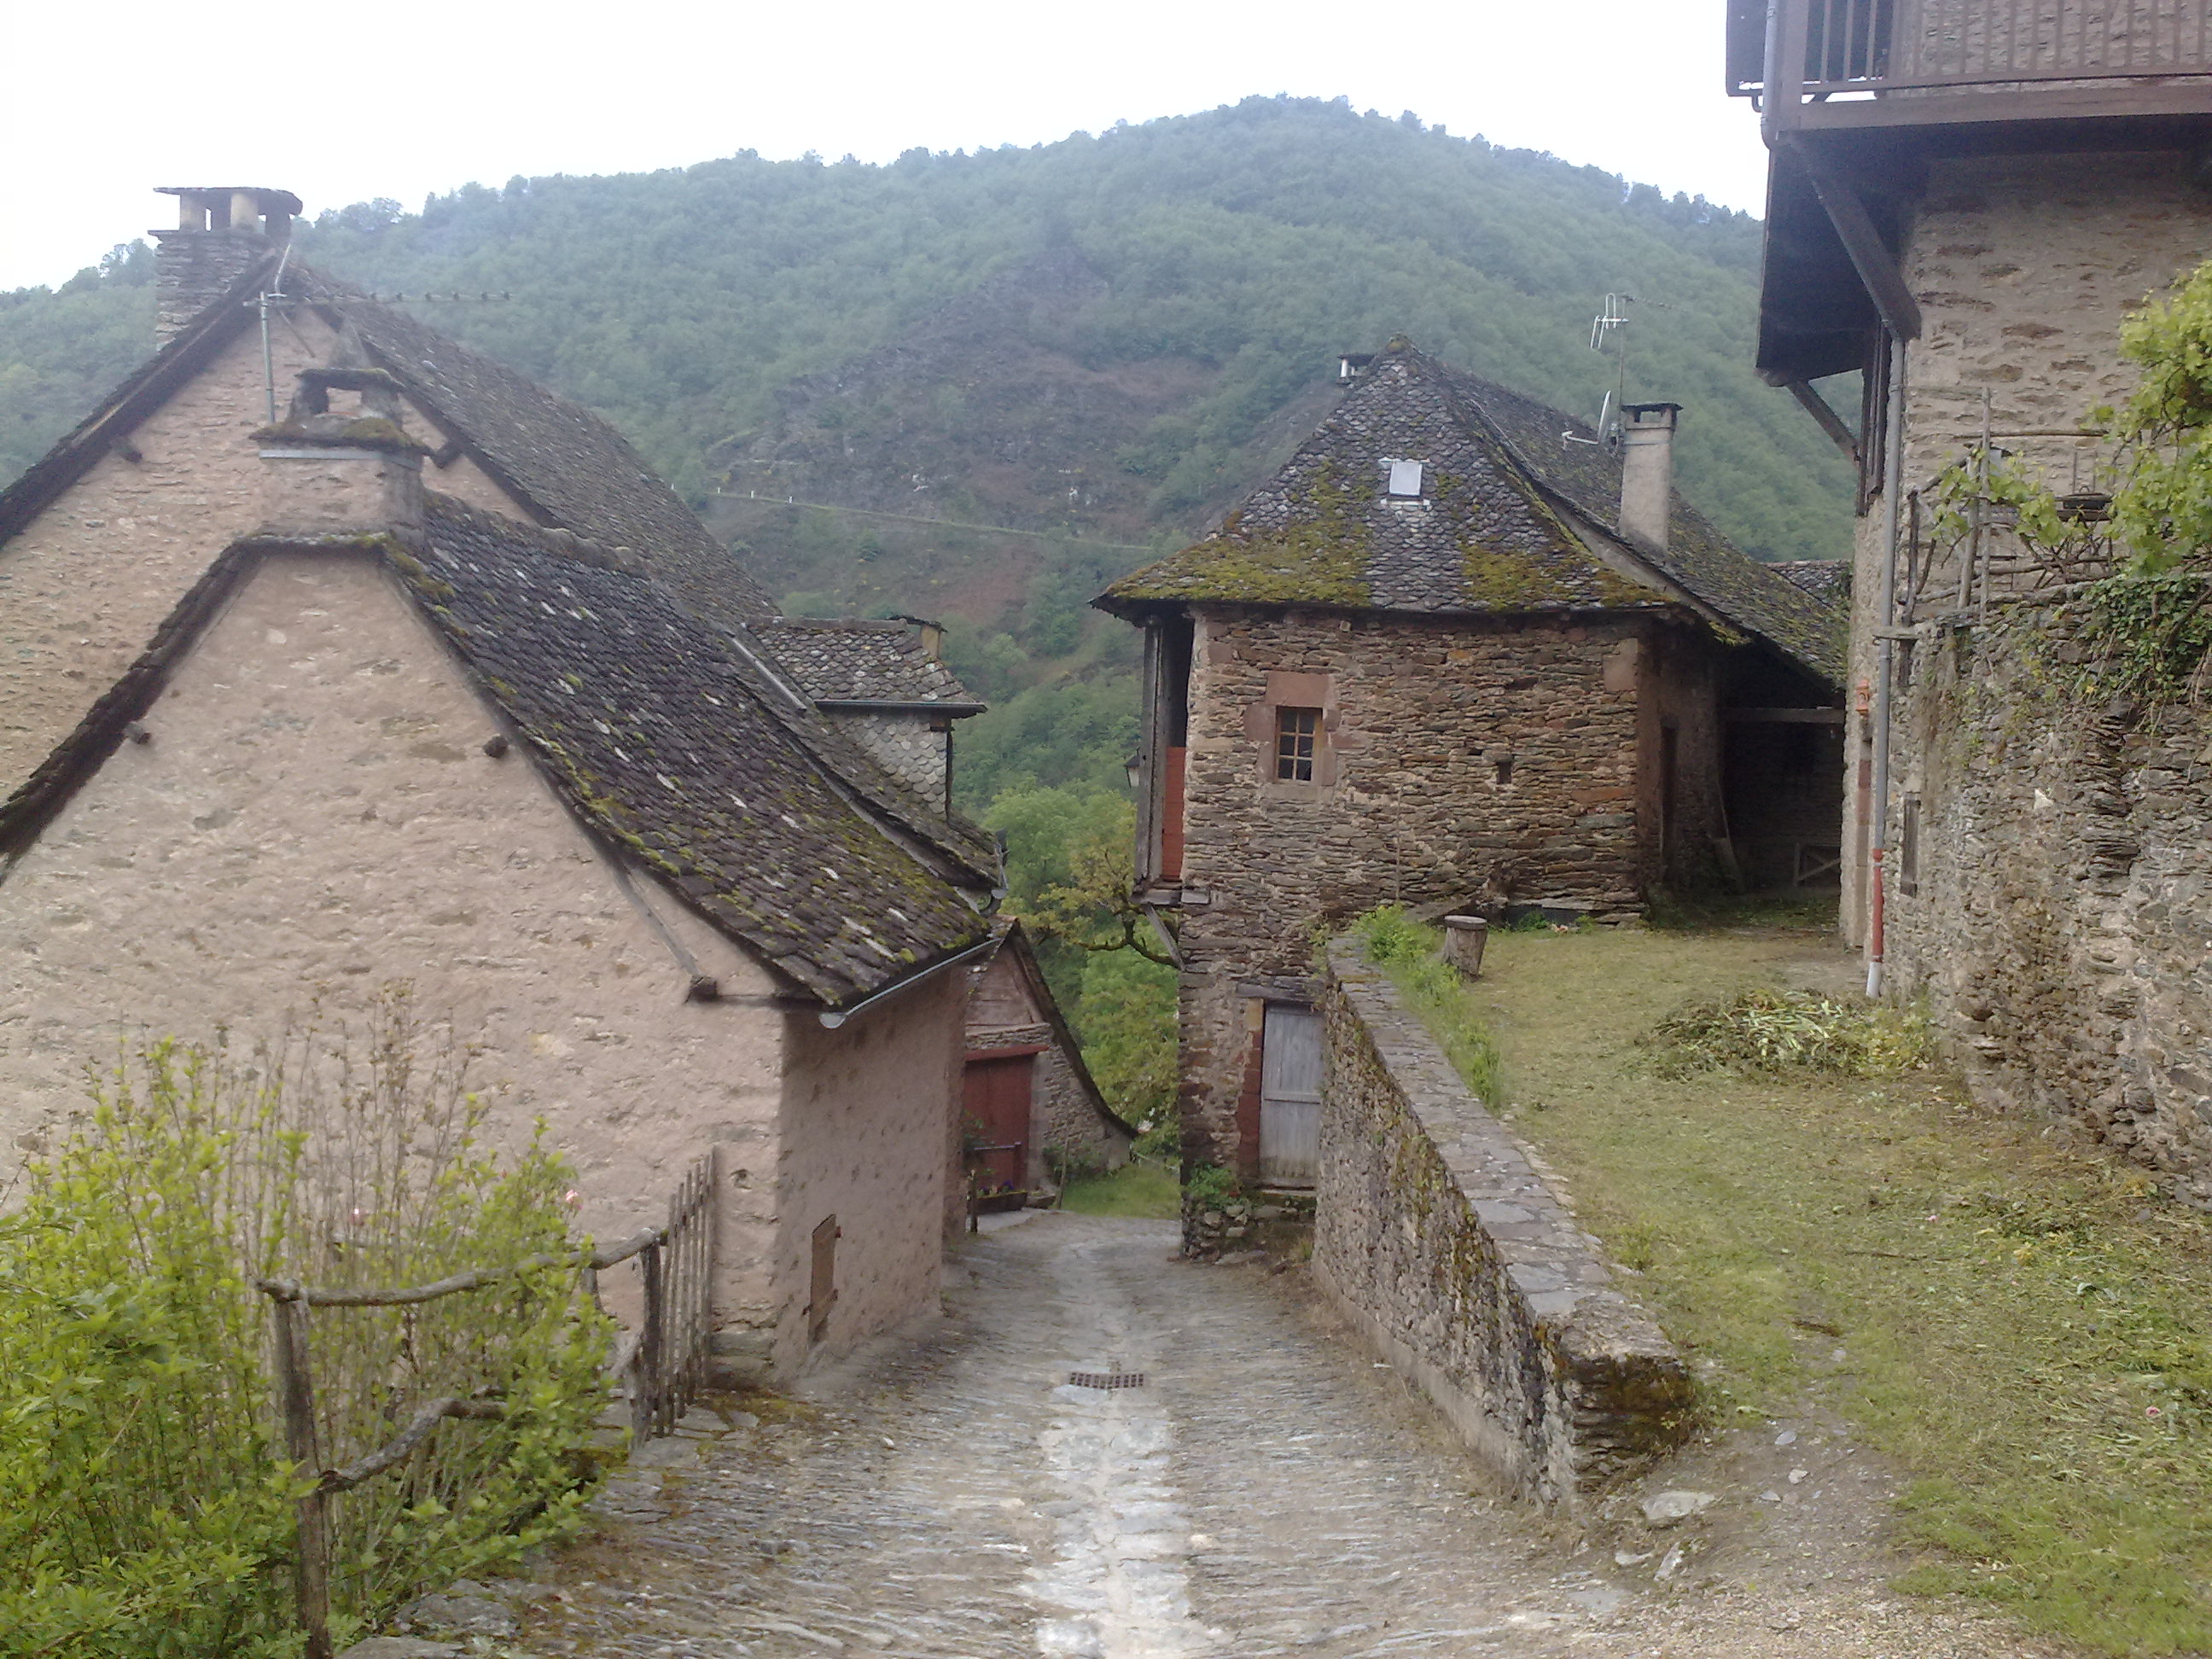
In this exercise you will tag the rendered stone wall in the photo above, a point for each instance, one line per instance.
(84, 585)
(1460, 1264)
(1458, 756)
(314, 815)
(2061, 927)
(2024, 267)
(870, 1135)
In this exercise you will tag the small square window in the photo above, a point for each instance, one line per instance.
(1405, 477)
(1297, 731)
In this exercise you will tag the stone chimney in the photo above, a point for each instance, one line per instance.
(221, 232)
(340, 465)
(1647, 470)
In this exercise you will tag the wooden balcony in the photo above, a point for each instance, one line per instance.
(1854, 65)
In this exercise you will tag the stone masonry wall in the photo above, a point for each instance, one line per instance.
(314, 813)
(2024, 267)
(1457, 756)
(1465, 1271)
(2061, 927)
(84, 585)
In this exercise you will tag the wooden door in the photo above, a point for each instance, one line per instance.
(822, 1292)
(998, 1091)
(1289, 1096)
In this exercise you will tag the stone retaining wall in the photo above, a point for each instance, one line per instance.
(1465, 1271)
(2055, 908)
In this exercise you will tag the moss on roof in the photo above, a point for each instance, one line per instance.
(1515, 499)
(1314, 553)
(659, 735)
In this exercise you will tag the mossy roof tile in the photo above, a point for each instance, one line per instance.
(659, 734)
(1514, 495)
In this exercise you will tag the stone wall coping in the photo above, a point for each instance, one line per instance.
(1559, 1270)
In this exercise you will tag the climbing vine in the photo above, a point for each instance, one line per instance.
(2162, 510)
(2145, 627)
(2148, 637)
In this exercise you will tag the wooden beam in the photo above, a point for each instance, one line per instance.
(1870, 255)
(1831, 422)
(1782, 716)
(2118, 100)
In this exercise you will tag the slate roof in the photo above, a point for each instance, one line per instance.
(1826, 579)
(850, 660)
(575, 469)
(660, 736)
(616, 641)
(1499, 526)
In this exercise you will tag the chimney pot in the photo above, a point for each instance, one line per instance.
(1647, 471)
(221, 232)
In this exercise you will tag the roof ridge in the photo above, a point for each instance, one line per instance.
(130, 400)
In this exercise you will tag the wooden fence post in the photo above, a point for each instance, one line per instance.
(297, 1392)
(652, 1352)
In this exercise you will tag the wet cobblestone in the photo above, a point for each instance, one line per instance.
(1264, 1492)
(1268, 1491)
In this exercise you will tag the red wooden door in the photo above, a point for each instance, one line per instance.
(998, 1101)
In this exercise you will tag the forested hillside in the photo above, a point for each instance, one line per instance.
(1003, 378)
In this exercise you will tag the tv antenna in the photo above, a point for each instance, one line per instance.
(1609, 330)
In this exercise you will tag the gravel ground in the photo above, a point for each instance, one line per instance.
(1267, 1490)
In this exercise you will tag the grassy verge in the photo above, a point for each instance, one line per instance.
(1142, 1191)
(2025, 1328)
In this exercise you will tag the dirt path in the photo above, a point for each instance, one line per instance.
(1267, 1490)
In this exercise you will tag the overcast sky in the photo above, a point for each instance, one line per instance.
(340, 103)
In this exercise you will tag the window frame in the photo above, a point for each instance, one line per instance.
(1297, 741)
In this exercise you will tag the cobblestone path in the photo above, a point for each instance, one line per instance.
(1267, 1490)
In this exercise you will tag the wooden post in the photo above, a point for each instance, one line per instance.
(652, 1349)
(1464, 938)
(296, 1396)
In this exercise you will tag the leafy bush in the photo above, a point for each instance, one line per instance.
(1127, 1015)
(1209, 1185)
(2163, 507)
(1391, 938)
(1779, 1031)
(145, 1505)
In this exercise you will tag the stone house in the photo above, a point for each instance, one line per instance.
(425, 678)
(1457, 652)
(885, 683)
(1964, 216)
(1033, 1110)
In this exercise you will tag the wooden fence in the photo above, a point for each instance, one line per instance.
(662, 1365)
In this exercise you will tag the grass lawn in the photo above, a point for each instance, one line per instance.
(1144, 1191)
(2024, 1326)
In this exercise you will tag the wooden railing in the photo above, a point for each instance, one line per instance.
(663, 1363)
(1818, 49)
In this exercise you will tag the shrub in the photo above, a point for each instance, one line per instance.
(1778, 1031)
(145, 1506)
(1209, 1185)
